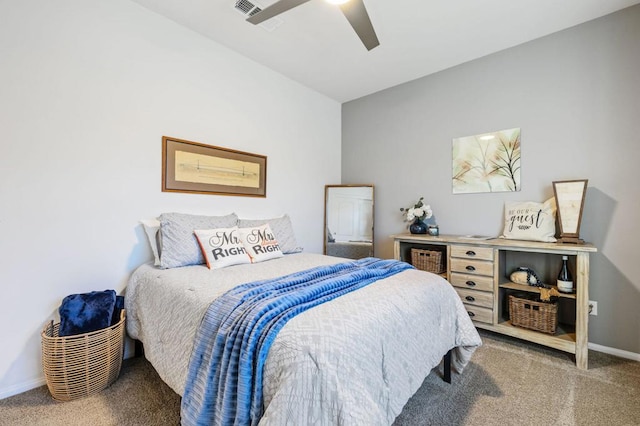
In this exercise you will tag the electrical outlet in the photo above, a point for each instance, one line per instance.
(593, 307)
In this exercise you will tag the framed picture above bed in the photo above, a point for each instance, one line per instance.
(205, 169)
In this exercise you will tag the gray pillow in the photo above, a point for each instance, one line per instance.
(179, 244)
(281, 228)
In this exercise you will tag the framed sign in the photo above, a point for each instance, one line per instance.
(206, 169)
(569, 196)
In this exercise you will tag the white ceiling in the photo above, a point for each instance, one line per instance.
(316, 46)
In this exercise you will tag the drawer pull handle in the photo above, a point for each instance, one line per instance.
(471, 314)
(471, 253)
(470, 298)
(470, 268)
(470, 283)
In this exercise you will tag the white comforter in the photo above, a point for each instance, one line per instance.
(355, 360)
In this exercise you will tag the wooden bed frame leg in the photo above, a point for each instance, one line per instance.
(138, 349)
(447, 366)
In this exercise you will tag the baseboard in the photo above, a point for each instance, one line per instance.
(22, 387)
(616, 352)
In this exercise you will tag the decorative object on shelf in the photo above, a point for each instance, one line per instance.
(569, 196)
(526, 276)
(433, 230)
(530, 221)
(417, 214)
(549, 294)
(418, 227)
(565, 279)
(489, 162)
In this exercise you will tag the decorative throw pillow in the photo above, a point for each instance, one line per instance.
(87, 312)
(152, 229)
(282, 229)
(179, 244)
(222, 247)
(260, 243)
(530, 221)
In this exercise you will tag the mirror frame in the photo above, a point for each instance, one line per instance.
(326, 198)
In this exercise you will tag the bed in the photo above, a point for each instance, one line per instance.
(354, 360)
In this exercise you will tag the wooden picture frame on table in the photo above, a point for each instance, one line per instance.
(194, 167)
(569, 195)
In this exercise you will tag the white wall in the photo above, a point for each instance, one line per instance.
(88, 89)
(576, 97)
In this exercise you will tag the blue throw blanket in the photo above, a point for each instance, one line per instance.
(86, 312)
(224, 381)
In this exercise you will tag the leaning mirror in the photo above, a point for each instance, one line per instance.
(348, 221)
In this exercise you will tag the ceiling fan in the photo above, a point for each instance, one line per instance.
(353, 10)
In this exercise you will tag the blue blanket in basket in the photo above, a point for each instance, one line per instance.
(224, 381)
(86, 312)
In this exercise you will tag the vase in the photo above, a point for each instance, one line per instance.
(418, 227)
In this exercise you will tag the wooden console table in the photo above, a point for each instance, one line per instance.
(479, 269)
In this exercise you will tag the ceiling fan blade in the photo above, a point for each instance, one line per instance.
(275, 9)
(358, 17)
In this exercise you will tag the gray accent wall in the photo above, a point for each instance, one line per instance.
(576, 97)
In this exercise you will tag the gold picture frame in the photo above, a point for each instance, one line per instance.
(569, 196)
(194, 167)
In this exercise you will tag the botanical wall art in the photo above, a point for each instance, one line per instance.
(488, 162)
(205, 169)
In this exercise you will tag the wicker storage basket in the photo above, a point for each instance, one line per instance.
(539, 316)
(428, 260)
(83, 364)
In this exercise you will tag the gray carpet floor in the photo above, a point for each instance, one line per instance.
(508, 382)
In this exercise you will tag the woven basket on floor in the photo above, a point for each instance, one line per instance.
(539, 316)
(428, 260)
(83, 364)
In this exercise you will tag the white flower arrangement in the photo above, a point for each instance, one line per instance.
(420, 211)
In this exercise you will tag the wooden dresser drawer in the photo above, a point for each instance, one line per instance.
(472, 267)
(479, 314)
(468, 252)
(477, 298)
(472, 282)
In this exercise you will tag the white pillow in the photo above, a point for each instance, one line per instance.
(222, 247)
(530, 221)
(152, 229)
(260, 243)
(282, 229)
